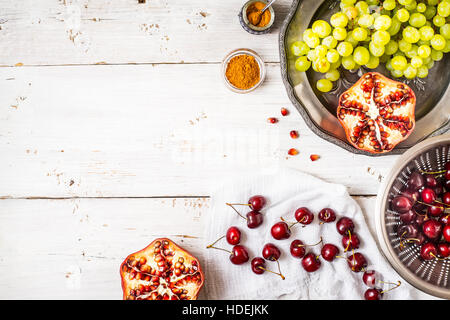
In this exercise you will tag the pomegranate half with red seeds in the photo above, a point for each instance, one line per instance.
(161, 271)
(377, 113)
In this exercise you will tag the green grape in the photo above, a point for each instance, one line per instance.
(443, 9)
(348, 2)
(412, 52)
(426, 33)
(333, 55)
(339, 33)
(438, 42)
(324, 85)
(410, 72)
(411, 34)
(336, 64)
(447, 47)
(359, 34)
(395, 26)
(421, 7)
(363, 7)
(372, 2)
(373, 62)
(333, 75)
(339, 19)
(436, 55)
(430, 64)
(411, 6)
(402, 15)
(322, 65)
(361, 55)
(321, 51)
(383, 22)
(311, 55)
(404, 45)
(404, 2)
(366, 20)
(330, 42)
(389, 65)
(438, 21)
(416, 62)
(351, 40)
(348, 62)
(381, 37)
(445, 31)
(397, 73)
(389, 4)
(422, 72)
(391, 47)
(432, 2)
(375, 49)
(321, 28)
(424, 51)
(430, 12)
(345, 48)
(299, 48)
(399, 63)
(384, 58)
(427, 60)
(417, 20)
(302, 64)
(351, 12)
(311, 40)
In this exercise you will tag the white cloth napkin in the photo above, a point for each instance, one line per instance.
(286, 191)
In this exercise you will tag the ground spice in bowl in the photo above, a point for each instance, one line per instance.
(255, 17)
(243, 71)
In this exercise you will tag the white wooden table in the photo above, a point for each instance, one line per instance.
(115, 125)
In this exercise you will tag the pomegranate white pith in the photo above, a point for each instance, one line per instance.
(161, 271)
(377, 113)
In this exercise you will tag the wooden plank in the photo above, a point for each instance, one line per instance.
(72, 249)
(123, 31)
(118, 131)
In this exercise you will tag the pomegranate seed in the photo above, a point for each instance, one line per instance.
(272, 120)
(284, 112)
(314, 157)
(293, 152)
(293, 134)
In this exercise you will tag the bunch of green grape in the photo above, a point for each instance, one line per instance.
(407, 35)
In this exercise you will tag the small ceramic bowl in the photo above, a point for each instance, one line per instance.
(237, 52)
(251, 28)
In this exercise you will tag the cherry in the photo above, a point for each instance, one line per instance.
(407, 231)
(430, 181)
(428, 195)
(239, 255)
(445, 220)
(443, 249)
(371, 278)
(401, 204)
(447, 166)
(254, 219)
(297, 249)
(446, 198)
(344, 224)
(357, 262)
(416, 181)
(257, 202)
(420, 239)
(428, 251)
(432, 229)
(447, 174)
(435, 211)
(446, 233)
(329, 252)
(408, 216)
(258, 265)
(280, 231)
(447, 185)
(420, 219)
(439, 189)
(233, 235)
(271, 252)
(327, 215)
(304, 216)
(411, 194)
(350, 241)
(311, 262)
(373, 294)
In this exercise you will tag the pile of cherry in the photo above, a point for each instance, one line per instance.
(423, 207)
(310, 261)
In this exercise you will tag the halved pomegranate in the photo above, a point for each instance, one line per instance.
(161, 271)
(377, 113)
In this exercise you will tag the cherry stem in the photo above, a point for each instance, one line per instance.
(311, 245)
(433, 172)
(211, 246)
(231, 205)
(430, 205)
(395, 284)
(349, 241)
(282, 277)
(292, 223)
(441, 259)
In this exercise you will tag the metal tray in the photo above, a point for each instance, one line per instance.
(319, 110)
(429, 276)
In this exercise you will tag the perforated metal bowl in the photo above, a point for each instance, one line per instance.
(432, 276)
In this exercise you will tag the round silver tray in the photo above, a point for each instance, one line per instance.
(429, 276)
(319, 110)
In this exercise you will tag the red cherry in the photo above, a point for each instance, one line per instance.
(350, 242)
(432, 229)
(401, 204)
(280, 231)
(445, 220)
(373, 294)
(310, 262)
(258, 265)
(443, 249)
(327, 215)
(357, 262)
(254, 219)
(428, 251)
(371, 278)
(428, 195)
(271, 252)
(435, 211)
(304, 216)
(297, 249)
(239, 255)
(447, 166)
(233, 235)
(416, 181)
(344, 224)
(430, 181)
(407, 231)
(446, 198)
(329, 252)
(257, 202)
(408, 216)
(446, 233)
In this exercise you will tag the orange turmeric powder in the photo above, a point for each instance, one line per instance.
(255, 17)
(243, 71)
